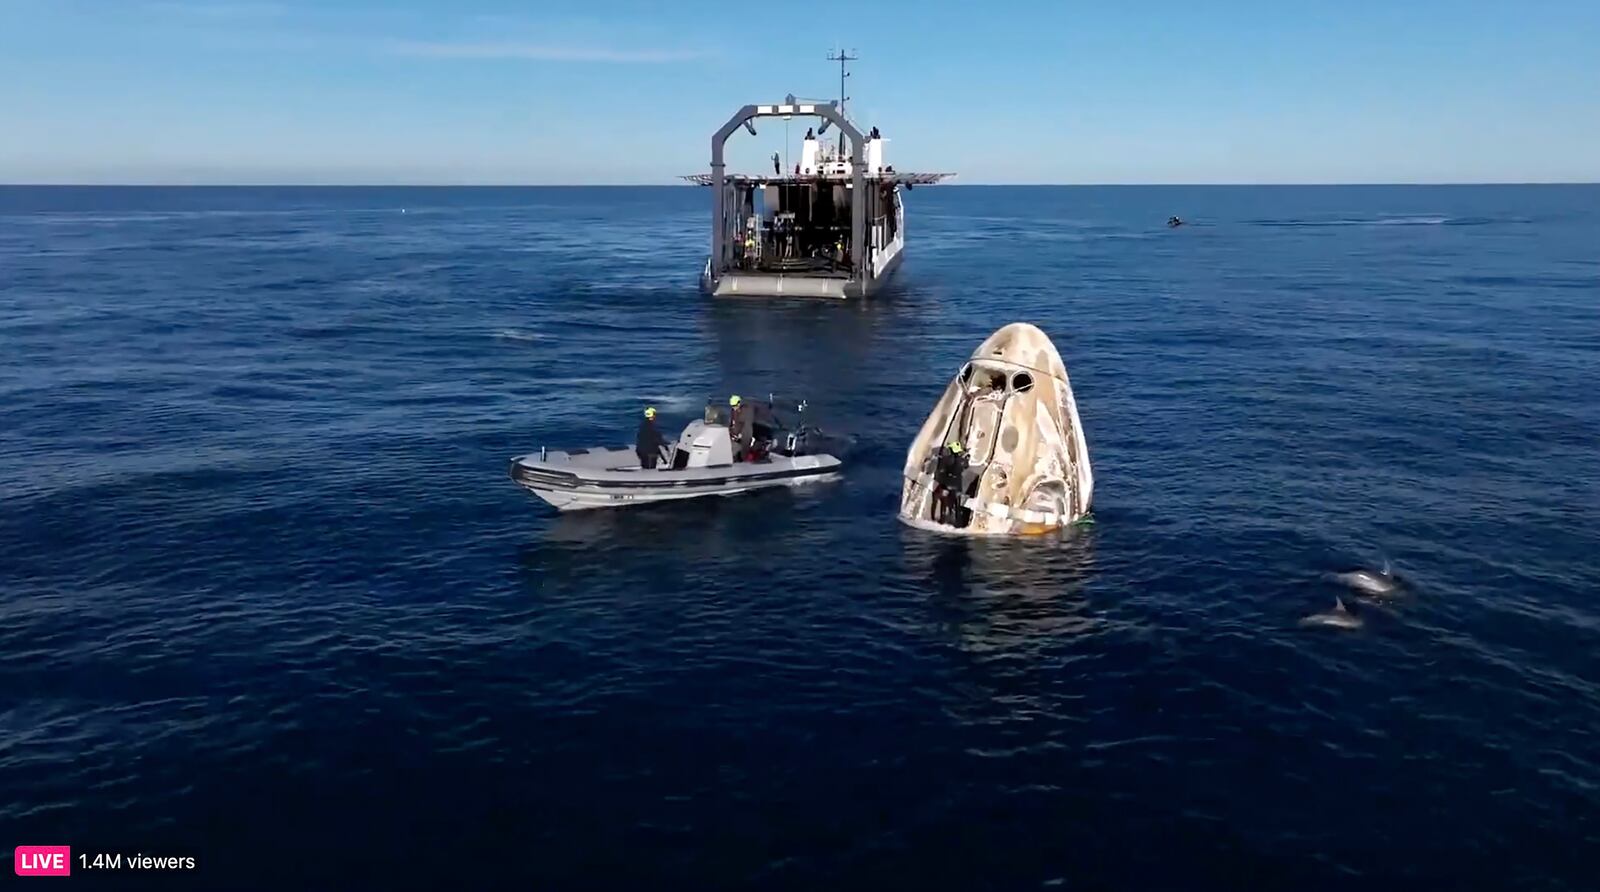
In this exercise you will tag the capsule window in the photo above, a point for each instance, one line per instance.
(1021, 382)
(966, 373)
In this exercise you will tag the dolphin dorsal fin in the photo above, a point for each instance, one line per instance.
(1338, 605)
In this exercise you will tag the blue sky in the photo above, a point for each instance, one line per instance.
(429, 91)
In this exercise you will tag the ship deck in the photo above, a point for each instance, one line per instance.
(747, 179)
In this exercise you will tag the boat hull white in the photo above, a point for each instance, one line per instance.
(611, 478)
(746, 284)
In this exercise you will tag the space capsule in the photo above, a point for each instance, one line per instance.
(1003, 452)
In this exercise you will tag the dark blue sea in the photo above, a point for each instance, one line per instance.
(268, 599)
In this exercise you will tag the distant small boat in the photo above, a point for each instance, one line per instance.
(1174, 222)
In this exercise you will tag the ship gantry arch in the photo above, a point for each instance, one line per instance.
(721, 252)
(796, 241)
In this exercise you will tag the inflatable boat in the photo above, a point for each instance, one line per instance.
(701, 462)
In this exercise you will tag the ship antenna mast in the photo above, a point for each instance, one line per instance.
(841, 56)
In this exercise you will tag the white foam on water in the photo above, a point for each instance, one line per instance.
(1396, 220)
(671, 402)
(1411, 221)
(577, 382)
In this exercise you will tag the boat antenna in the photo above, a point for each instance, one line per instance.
(841, 56)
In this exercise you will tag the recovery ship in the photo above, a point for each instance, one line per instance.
(832, 226)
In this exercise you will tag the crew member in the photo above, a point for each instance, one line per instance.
(947, 477)
(750, 248)
(741, 429)
(649, 443)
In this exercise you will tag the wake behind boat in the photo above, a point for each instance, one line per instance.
(749, 446)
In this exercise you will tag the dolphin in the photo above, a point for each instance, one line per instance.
(1371, 583)
(1339, 617)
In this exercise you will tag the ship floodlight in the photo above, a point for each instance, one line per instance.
(824, 128)
(750, 125)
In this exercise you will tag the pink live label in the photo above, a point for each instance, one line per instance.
(43, 861)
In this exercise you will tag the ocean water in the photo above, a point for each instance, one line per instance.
(267, 598)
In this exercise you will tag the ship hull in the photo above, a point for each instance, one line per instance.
(768, 285)
(752, 284)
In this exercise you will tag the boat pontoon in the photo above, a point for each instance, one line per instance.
(702, 462)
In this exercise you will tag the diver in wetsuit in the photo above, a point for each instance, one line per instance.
(649, 443)
(1174, 222)
(947, 477)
